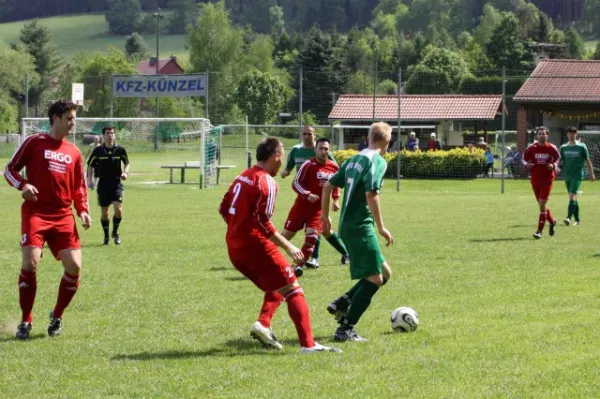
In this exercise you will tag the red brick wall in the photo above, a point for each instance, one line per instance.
(521, 129)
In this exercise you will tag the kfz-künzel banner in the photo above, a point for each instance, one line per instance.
(142, 86)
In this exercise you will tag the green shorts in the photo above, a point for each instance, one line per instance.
(573, 185)
(366, 258)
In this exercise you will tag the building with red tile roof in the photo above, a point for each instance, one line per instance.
(441, 111)
(559, 94)
(165, 67)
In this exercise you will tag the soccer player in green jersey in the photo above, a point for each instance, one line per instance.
(361, 177)
(574, 156)
(299, 154)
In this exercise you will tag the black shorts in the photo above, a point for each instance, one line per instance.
(107, 194)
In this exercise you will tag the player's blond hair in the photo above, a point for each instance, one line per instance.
(380, 132)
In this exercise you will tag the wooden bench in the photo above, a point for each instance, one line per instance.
(192, 165)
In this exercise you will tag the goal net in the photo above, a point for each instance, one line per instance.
(591, 138)
(189, 142)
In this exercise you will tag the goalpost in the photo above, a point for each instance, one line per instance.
(193, 136)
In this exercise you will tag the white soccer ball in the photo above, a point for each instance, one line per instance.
(404, 319)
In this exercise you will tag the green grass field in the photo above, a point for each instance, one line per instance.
(166, 315)
(88, 33)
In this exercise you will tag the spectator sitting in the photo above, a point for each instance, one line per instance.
(481, 143)
(364, 143)
(396, 146)
(433, 143)
(412, 144)
(512, 161)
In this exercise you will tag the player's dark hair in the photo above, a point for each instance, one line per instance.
(105, 128)
(322, 140)
(544, 128)
(266, 148)
(59, 107)
(572, 129)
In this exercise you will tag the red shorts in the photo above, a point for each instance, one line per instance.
(302, 216)
(264, 265)
(60, 232)
(541, 191)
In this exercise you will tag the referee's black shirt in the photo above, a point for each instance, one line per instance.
(107, 162)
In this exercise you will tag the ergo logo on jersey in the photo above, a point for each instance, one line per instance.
(58, 156)
(542, 157)
(324, 175)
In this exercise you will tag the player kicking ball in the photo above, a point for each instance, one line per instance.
(252, 243)
(55, 180)
(306, 211)
(541, 159)
(362, 178)
(574, 156)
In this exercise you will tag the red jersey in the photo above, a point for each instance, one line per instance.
(248, 206)
(55, 168)
(311, 178)
(540, 156)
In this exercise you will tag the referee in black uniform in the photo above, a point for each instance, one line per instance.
(107, 159)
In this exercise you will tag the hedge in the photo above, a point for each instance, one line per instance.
(458, 163)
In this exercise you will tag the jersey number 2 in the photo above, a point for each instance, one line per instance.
(236, 192)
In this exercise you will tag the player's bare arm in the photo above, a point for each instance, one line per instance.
(312, 198)
(375, 208)
(336, 205)
(288, 247)
(29, 192)
(591, 170)
(326, 195)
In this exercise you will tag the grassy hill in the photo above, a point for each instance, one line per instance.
(89, 33)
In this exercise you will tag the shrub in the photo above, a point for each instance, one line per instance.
(458, 163)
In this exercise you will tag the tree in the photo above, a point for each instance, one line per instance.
(489, 20)
(324, 73)
(260, 96)
(276, 21)
(124, 17)
(596, 55)
(37, 41)
(506, 48)
(260, 53)
(215, 45)
(440, 72)
(185, 12)
(575, 44)
(545, 27)
(135, 46)
(14, 65)
(94, 71)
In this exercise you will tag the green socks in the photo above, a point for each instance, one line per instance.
(337, 243)
(576, 210)
(361, 301)
(315, 254)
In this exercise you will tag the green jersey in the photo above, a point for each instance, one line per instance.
(299, 154)
(572, 159)
(359, 175)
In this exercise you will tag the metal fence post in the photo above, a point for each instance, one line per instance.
(503, 125)
(398, 163)
(300, 117)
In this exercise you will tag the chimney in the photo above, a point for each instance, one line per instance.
(152, 61)
(173, 58)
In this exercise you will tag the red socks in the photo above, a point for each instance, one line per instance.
(27, 289)
(300, 315)
(309, 245)
(66, 292)
(541, 221)
(549, 216)
(270, 305)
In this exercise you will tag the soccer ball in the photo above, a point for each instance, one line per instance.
(404, 319)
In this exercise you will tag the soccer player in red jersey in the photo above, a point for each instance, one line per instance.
(252, 243)
(306, 211)
(541, 159)
(55, 179)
